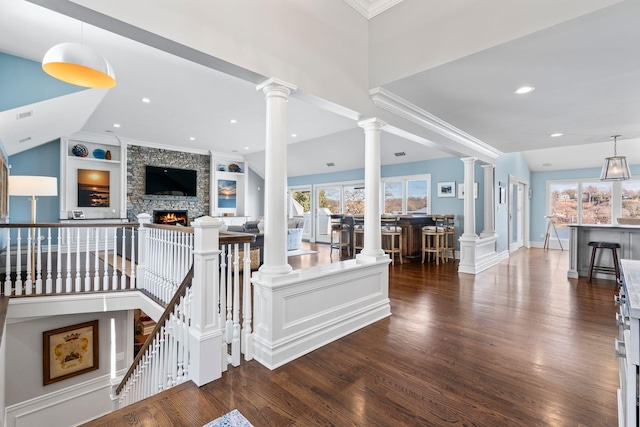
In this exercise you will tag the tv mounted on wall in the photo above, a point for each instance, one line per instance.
(161, 181)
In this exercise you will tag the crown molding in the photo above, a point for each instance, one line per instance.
(371, 8)
(401, 107)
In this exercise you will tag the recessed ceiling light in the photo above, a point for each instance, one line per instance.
(293, 135)
(246, 148)
(555, 135)
(192, 138)
(233, 121)
(116, 125)
(547, 165)
(145, 100)
(525, 89)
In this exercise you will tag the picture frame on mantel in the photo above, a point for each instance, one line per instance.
(447, 189)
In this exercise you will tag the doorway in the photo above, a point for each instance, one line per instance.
(518, 218)
(328, 200)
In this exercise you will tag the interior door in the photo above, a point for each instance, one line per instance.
(516, 215)
(328, 201)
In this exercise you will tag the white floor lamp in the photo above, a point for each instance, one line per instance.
(33, 186)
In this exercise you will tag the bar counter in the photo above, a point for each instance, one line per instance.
(628, 236)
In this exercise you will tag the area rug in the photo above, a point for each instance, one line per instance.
(230, 419)
(297, 252)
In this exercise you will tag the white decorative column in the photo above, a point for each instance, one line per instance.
(489, 202)
(206, 341)
(372, 248)
(275, 204)
(469, 198)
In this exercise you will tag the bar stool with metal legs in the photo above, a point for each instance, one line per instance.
(604, 269)
(346, 236)
(358, 233)
(391, 233)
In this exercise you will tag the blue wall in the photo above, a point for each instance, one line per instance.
(43, 160)
(441, 170)
(22, 82)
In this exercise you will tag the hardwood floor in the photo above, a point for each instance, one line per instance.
(517, 345)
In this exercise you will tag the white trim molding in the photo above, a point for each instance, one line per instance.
(371, 8)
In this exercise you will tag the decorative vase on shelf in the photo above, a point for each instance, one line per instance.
(107, 155)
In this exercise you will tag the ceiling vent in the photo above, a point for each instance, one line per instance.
(24, 115)
(331, 164)
(27, 139)
(399, 154)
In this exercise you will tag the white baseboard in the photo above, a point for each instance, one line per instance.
(553, 244)
(62, 408)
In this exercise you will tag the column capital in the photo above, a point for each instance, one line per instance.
(371, 124)
(489, 166)
(467, 160)
(274, 84)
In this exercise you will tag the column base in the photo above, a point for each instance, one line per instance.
(374, 256)
(477, 255)
(275, 270)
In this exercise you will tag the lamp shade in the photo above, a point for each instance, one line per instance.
(615, 169)
(80, 65)
(25, 185)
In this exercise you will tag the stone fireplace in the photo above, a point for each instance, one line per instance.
(170, 217)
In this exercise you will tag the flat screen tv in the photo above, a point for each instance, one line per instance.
(161, 181)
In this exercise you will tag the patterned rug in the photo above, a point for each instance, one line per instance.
(230, 419)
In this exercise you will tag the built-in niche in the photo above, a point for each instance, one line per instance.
(139, 157)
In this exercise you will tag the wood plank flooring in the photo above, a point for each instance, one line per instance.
(517, 345)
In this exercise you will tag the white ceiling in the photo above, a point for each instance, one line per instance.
(585, 71)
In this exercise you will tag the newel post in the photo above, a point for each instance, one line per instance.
(143, 219)
(205, 333)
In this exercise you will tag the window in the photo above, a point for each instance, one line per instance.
(631, 199)
(580, 202)
(406, 195)
(353, 199)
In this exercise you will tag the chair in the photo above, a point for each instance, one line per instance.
(449, 247)
(604, 269)
(335, 228)
(391, 233)
(345, 240)
(358, 233)
(433, 243)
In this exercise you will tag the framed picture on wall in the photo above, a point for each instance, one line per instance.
(70, 351)
(226, 193)
(461, 190)
(447, 189)
(93, 188)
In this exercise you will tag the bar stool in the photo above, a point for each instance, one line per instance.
(345, 234)
(358, 233)
(335, 234)
(449, 237)
(605, 269)
(391, 233)
(432, 244)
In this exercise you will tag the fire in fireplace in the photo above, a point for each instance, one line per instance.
(170, 217)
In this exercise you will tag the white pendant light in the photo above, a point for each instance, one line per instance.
(80, 65)
(615, 168)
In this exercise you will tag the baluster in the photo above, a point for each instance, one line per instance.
(223, 286)
(49, 280)
(68, 244)
(123, 275)
(87, 262)
(247, 337)
(105, 262)
(59, 263)
(230, 269)
(114, 277)
(28, 283)
(96, 261)
(174, 350)
(164, 352)
(39, 265)
(7, 278)
(179, 341)
(235, 344)
(187, 341)
(132, 275)
(18, 287)
(78, 273)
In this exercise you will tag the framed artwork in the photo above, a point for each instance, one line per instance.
(447, 189)
(69, 351)
(461, 190)
(503, 195)
(93, 188)
(226, 193)
(78, 214)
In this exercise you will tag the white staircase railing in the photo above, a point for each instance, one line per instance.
(50, 259)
